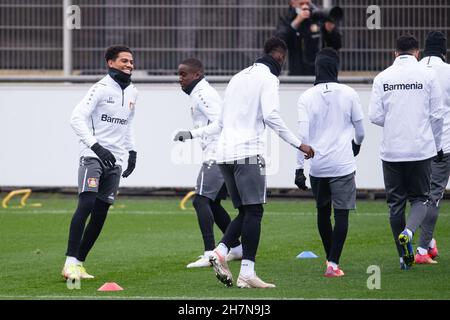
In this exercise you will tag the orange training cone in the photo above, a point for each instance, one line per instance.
(110, 286)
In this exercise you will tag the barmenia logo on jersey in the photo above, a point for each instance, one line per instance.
(92, 182)
(402, 86)
(132, 104)
(107, 118)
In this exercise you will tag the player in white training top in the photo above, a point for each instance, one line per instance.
(331, 120)
(251, 104)
(206, 106)
(103, 122)
(406, 102)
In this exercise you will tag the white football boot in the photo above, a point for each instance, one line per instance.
(221, 269)
(71, 271)
(231, 256)
(84, 274)
(202, 262)
(253, 282)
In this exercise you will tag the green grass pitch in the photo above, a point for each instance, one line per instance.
(146, 244)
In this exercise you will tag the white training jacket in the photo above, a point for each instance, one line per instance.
(406, 102)
(206, 108)
(330, 116)
(251, 102)
(442, 70)
(105, 116)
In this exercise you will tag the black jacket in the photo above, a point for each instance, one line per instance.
(304, 43)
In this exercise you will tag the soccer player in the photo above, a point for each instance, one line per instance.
(251, 103)
(210, 189)
(406, 102)
(103, 122)
(331, 121)
(434, 57)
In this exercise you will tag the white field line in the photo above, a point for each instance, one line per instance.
(178, 212)
(184, 298)
(132, 297)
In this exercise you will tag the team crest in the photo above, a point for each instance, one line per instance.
(92, 182)
(132, 104)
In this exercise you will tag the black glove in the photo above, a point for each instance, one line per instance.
(440, 156)
(182, 136)
(300, 179)
(105, 155)
(356, 148)
(131, 164)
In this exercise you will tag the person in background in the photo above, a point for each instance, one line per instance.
(305, 36)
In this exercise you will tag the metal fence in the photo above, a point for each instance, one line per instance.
(226, 35)
(371, 50)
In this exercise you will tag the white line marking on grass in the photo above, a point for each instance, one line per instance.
(152, 212)
(143, 298)
(184, 298)
(68, 297)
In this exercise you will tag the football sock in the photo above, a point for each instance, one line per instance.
(206, 254)
(222, 249)
(432, 244)
(410, 233)
(93, 228)
(247, 268)
(333, 265)
(71, 260)
(236, 250)
(422, 251)
(86, 203)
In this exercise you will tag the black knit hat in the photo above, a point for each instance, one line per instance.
(436, 44)
(327, 66)
(328, 52)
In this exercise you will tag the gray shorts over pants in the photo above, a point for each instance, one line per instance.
(93, 176)
(210, 182)
(341, 191)
(245, 180)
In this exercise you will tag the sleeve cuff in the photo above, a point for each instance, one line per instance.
(196, 133)
(91, 142)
